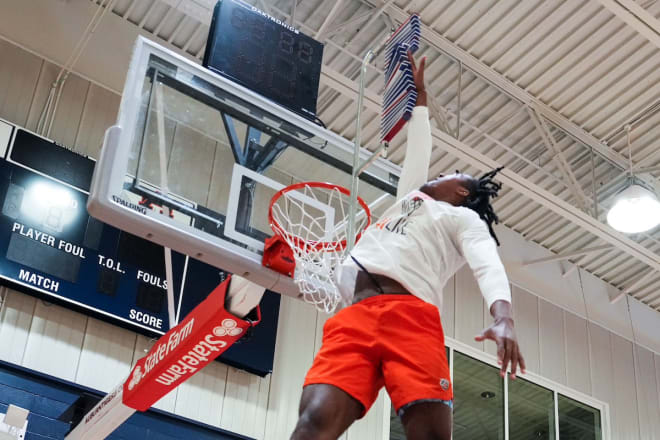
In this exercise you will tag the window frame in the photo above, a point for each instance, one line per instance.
(555, 387)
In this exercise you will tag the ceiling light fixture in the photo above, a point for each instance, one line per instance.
(636, 208)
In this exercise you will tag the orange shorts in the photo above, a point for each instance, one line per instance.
(391, 340)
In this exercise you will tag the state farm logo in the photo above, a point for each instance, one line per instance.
(229, 328)
(137, 377)
(208, 348)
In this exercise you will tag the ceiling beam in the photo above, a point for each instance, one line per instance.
(629, 289)
(348, 23)
(264, 6)
(568, 255)
(292, 17)
(466, 153)
(636, 17)
(376, 14)
(328, 20)
(559, 158)
(349, 88)
(489, 74)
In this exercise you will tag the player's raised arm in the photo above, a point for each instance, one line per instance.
(418, 150)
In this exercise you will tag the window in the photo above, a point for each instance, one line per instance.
(483, 401)
(478, 400)
(578, 421)
(531, 411)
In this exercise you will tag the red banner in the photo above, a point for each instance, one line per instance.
(202, 336)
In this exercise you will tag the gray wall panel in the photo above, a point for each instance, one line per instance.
(625, 393)
(19, 71)
(577, 353)
(647, 394)
(15, 321)
(601, 355)
(551, 342)
(70, 110)
(55, 341)
(100, 112)
(526, 318)
(469, 319)
(47, 76)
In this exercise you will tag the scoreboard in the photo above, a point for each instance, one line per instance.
(50, 247)
(265, 55)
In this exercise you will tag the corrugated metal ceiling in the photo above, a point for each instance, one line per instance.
(544, 88)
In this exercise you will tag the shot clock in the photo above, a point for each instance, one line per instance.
(265, 55)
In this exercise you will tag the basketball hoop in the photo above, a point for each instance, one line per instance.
(317, 237)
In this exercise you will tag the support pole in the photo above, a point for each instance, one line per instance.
(458, 100)
(593, 183)
(380, 151)
(356, 155)
(162, 156)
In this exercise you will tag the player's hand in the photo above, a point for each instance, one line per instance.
(418, 77)
(508, 351)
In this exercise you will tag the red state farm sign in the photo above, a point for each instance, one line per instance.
(206, 333)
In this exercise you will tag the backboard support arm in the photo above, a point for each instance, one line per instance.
(358, 168)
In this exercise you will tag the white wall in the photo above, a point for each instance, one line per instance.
(568, 330)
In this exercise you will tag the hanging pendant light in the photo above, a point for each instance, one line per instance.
(636, 208)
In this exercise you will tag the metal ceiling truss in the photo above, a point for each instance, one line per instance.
(636, 17)
(559, 158)
(523, 186)
(499, 81)
(568, 255)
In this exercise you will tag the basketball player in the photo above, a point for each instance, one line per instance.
(392, 334)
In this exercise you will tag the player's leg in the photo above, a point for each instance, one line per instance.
(345, 377)
(427, 421)
(415, 368)
(325, 413)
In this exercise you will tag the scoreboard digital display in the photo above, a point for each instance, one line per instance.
(265, 55)
(50, 247)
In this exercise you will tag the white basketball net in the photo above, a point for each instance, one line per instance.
(314, 222)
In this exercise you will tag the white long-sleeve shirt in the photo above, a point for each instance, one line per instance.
(421, 242)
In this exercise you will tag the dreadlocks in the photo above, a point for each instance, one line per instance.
(481, 190)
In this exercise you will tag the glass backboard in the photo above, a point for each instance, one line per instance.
(195, 159)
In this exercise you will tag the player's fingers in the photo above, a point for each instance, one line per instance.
(501, 350)
(486, 334)
(421, 69)
(412, 61)
(521, 361)
(507, 357)
(514, 360)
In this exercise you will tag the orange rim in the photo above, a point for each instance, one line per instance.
(330, 246)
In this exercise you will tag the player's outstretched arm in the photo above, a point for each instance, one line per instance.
(480, 252)
(418, 150)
